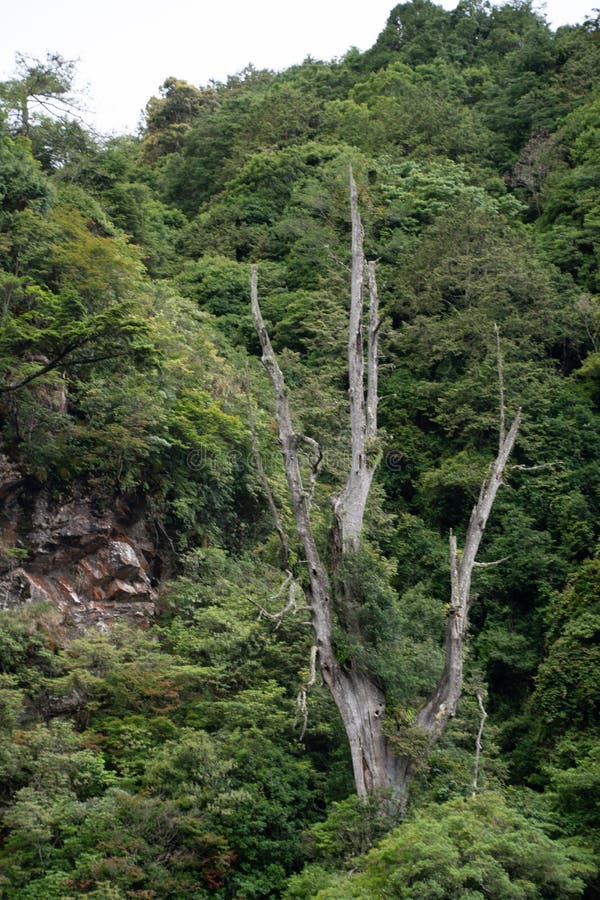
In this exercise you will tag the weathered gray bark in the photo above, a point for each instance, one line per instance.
(358, 697)
(349, 506)
(478, 745)
(434, 716)
(360, 701)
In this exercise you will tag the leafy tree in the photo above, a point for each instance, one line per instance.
(565, 698)
(169, 117)
(568, 227)
(45, 85)
(468, 848)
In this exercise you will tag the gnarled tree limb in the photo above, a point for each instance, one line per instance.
(349, 505)
(442, 704)
(318, 593)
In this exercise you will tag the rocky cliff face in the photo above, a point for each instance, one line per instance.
(95, 565)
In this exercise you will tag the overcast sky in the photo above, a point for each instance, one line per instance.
(126, 48)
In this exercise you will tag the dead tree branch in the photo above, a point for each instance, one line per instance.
(442, 704)
(478, 744)
(488, 565)
(349, 505)
(549, 465)
(372, 355)
(318, 592)
(316, 463)
(301, 699)
(290, 607)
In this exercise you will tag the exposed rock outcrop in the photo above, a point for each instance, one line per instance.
(94, 565)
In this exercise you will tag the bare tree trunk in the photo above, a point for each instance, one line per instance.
(434, 716)
(359, 698)
(349, 505)
(360, 701)
(361, 704)
(318, 591)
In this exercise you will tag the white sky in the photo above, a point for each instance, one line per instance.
(126, 48)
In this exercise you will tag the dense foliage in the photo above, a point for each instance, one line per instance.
(173, 762)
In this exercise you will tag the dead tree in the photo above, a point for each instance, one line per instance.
(358, 696)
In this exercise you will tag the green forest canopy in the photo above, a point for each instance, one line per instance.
(124, 273)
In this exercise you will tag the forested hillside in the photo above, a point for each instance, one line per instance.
(195, 751)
